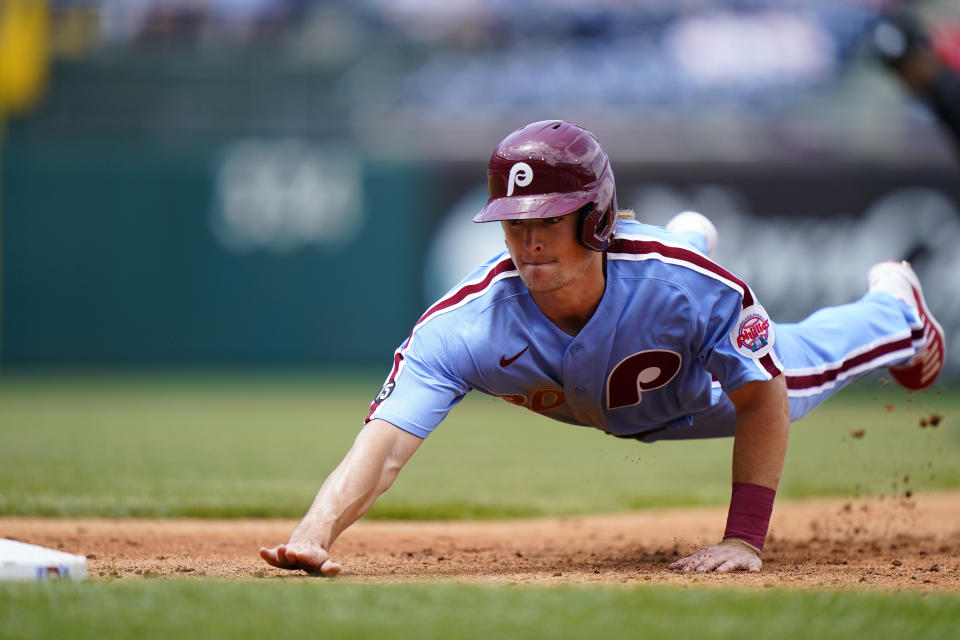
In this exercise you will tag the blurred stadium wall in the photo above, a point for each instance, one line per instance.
(247, 182)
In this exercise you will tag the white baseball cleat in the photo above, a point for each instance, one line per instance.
(691, 221)
(899, 280)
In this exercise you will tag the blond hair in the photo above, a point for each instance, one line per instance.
(627, 214)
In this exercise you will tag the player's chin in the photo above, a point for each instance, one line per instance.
(536, 286)
(540, 278)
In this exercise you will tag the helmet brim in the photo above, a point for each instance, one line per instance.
(527, 207)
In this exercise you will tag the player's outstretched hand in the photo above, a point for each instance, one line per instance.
(301, 555)
(729, 555)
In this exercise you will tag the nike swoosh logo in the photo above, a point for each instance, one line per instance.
(504, 361)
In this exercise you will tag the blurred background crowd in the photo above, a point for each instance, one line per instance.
(258, 182)
(758, 79)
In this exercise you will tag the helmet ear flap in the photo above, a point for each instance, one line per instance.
(597, 226)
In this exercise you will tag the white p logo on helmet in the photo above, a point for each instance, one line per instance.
(520, 175)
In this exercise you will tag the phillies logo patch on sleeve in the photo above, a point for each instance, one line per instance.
(753, 334)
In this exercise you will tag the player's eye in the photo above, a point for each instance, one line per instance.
(551, 220)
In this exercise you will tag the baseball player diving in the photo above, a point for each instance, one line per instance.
(593, 318)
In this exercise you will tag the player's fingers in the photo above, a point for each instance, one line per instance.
(727, 566)
(741, 559)
(691, 563)
(709, 562)
(721, 558)
(301, 559)
(709, 565)
(270, 557)
(740, 563)
(686, 560)
(311, 559)
(700, 564)
(293, 558)
(288, 556)
(330, 568)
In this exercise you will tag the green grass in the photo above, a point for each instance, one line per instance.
(310, 609)
(260, 445)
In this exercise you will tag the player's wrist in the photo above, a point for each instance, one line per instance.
(748, 518)
(737, 542)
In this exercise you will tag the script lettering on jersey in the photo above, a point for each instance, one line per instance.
(540, 400)
(521, 174)
(643, 371)
(514, 398)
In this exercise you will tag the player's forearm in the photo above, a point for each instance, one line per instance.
(763, 427)
(368, 469)
(759, 448)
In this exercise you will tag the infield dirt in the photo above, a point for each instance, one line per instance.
(887, 543)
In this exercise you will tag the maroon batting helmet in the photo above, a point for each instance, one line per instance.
(548, 169)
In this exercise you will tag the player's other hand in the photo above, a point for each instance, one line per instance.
(311, 558)
(729, 555)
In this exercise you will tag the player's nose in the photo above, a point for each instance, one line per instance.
(532, 240)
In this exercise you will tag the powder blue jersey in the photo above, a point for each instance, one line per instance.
(672, 329)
